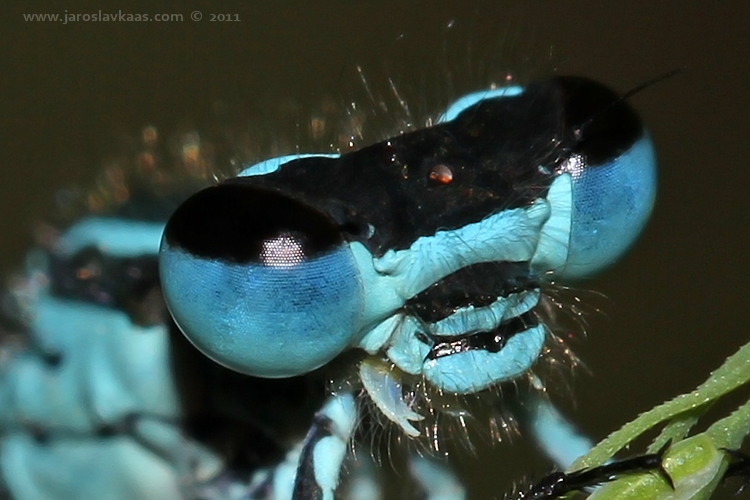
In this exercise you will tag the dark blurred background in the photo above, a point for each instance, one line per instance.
(676, 302)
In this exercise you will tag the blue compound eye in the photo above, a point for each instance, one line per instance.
(613, 170)
(258, 281)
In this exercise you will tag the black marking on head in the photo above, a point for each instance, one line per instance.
(478, 285)
(500, 153)
(233, 220)
(492, 341)
(599, 124)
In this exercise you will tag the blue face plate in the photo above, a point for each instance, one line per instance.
(426, 252)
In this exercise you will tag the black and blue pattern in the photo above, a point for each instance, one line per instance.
(397, 279)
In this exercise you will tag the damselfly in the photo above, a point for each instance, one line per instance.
(401, 284)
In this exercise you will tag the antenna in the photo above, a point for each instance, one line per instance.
(630, 93)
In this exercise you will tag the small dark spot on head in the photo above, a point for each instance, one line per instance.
(422, 337)
(105, 431)
(52, 359)
(355, 229)
(40, 436)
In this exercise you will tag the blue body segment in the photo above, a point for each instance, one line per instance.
(72, 330)
(557, 437)
(88, 368)
(85, 469)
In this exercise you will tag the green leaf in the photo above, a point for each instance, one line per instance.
(696, 465)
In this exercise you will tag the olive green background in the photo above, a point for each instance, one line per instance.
(677, 303)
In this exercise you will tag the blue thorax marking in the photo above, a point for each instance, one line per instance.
(116, 237)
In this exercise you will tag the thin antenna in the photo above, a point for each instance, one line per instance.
(666, 76)
(630, 93)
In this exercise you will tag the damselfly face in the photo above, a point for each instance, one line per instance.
(404, 276)
(426, 252)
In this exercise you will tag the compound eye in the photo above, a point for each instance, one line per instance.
(611, 204)
(258, 281)
(613, 169)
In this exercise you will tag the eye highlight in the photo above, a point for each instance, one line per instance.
(286, 250)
